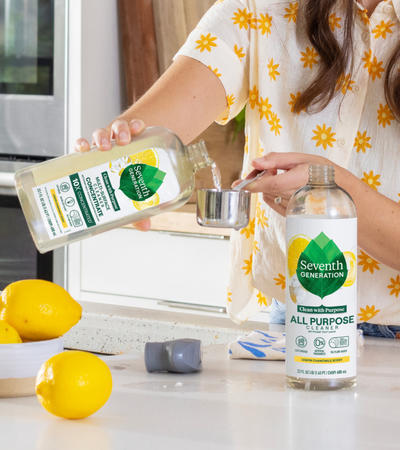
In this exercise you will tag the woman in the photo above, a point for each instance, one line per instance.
(320, 81)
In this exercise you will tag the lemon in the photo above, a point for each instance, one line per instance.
(154, 200)
(149, 157)
(8, 334)
(296, 247)
(73, 384)
(39, 309)
(351, 262)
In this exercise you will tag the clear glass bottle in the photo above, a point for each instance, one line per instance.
(321, 292)
(82, 194)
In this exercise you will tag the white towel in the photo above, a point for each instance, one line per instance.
(259, 345)
(269, 345)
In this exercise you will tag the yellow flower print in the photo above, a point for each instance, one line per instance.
(253, 97)
(248, 265)
(253, 22)
(229, 297)
(382, 29)
(361, 141)
(260, 152)
(334, 22)
(272, 69)
(367, 262)
(264, 108)
(249, 230)
(399, 196)
(244, 19)
(394, 286)
(324, 136)
(261, 299)
(368, 313)
(239, 52)
(215, 71)
(363, 13)
(260, 216)
(345, 83)
(292, 12)
(280, 281)
(367, 59)
(371, 180)
(246, 145)
(275, 123)
(293, 100)
(230, 99)
(375, 68)
(256, 248)
(385, 115)
(206, 42)
(309, 57)
(264, 24)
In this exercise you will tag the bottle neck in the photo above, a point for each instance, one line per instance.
(321, 175)
(198, 155)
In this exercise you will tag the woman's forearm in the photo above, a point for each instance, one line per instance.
(378, 220)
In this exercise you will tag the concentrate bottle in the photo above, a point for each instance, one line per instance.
(82, 194)
(321, 292)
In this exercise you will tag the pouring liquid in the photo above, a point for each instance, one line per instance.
(216, 174)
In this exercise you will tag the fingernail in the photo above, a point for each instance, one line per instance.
(123, 136)
(104, 142)
(137, 125)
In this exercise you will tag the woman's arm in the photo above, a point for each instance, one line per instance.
(187, 98)
(378, 216)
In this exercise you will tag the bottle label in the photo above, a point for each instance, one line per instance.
(106, 192)
(321, 298)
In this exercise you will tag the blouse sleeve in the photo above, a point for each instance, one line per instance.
(221, 42)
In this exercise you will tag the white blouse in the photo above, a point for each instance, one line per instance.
(261, 53)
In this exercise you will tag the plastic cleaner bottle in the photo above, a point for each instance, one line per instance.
(82, 194)
(321, 291)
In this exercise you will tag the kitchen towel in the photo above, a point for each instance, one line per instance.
(259, 345)
(269, 345)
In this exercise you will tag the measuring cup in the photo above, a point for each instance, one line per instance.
(225, 208)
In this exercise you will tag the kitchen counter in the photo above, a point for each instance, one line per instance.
(232, 404)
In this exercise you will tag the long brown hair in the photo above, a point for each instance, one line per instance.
(336, 59)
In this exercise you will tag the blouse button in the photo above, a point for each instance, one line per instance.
(365, 36)
(387, 9)
(341, 142)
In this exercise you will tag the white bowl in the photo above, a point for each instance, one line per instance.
(20, 363)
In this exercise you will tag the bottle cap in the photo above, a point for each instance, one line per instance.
(154, 356)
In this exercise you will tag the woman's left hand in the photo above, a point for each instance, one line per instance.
(277, 188)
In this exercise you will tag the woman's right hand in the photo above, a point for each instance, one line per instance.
(122, 132)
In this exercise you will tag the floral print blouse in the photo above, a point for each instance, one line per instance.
(260, 52)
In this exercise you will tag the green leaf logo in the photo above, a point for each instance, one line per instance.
(141, 181)
(322, 267)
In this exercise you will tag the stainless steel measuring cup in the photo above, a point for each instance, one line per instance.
(223, 209)
(226, 208)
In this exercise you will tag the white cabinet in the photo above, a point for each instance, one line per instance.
(129, 267)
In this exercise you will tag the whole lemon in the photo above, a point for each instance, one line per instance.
(39, 309)
(8, 334)
(73, 384)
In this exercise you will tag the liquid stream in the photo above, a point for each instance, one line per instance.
(216, 174)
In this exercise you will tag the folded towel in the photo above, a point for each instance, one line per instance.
(259, 345)
(269, 345)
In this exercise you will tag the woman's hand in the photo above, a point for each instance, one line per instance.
(122, 131)
(277, 188)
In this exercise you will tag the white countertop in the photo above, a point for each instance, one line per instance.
(232, 404)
